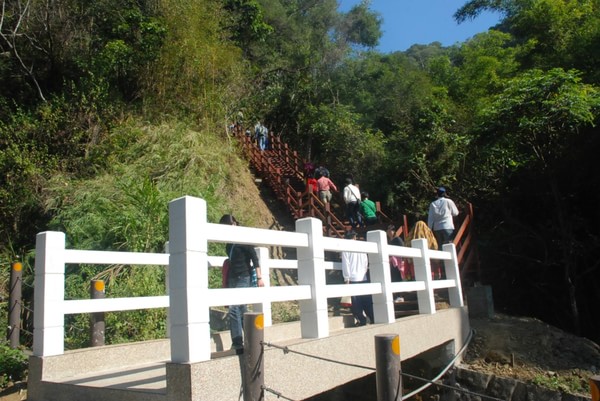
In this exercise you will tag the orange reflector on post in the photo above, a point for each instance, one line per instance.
(396, 345)
(259, 322)
(99, 285)
(17, 266)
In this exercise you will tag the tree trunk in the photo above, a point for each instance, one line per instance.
(568, 260)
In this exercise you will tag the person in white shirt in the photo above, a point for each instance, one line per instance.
(440, 218)
(355, 268)
(352, 201)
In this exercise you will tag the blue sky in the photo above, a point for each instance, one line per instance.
(409, 22)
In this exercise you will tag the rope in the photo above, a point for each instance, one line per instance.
(443, 372)
(277, 393)
(287, 350)
(430, 382)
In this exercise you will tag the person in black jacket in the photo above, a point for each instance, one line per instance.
(243, 264)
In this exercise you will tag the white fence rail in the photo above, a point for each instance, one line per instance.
(189, 299)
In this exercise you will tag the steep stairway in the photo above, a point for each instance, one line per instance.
(282, 170)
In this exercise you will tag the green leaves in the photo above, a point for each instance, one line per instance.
(13, 364)
(361, 26)
(554, 33)
(348, 148)
(537, 112)
(246, 22)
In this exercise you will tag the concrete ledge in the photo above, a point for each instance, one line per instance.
(109, 357)
(71, 392)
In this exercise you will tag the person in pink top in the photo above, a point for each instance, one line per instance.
(325, 186)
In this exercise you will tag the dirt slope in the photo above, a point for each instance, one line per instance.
(530, 350)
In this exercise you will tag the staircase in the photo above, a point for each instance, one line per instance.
(283, 171)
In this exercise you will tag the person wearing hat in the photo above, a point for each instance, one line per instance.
(440, 217)
(355, 268)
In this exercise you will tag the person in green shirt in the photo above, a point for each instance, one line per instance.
(368, 210)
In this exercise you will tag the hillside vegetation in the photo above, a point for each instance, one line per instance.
(111, 109)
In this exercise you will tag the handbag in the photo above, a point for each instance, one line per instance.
(225, 269)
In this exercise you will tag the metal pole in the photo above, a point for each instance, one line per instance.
(14, 301)
(387, 364)
(253, 373)
(595, 387)
(97, 324)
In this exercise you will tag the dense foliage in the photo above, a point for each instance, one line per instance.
(109, 110)
(13, 364)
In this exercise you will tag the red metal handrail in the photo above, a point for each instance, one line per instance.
(304, 203)
(466, 248)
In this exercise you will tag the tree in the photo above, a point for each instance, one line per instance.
(361, 26)
(530, 132)
(56, 43)
(556, 33)
(295, 64)
(483, 63)
(346, 147)
(14, 19)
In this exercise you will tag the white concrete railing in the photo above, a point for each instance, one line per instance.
(189, 299)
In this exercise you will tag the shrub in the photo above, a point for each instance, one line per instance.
(13, 364)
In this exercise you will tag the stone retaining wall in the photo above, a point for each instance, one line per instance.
(507, 389)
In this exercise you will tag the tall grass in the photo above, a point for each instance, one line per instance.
(126, 208)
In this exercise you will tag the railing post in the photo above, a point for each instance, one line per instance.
(387, 365)
(253, 374)
(188, 280)
(379, 268)
(453, 273)
(423, 273)
(15, 304)
(97, 324)
(49, 294)
(314, 321)
(168, 328)
(595, 388)
(265, 269)
(287, 153)
(328, 218)
(297, 166)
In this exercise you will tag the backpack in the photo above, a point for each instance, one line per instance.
(225, 273)
(225, 269)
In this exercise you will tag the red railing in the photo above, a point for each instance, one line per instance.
(283, 170)
(466, 249)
